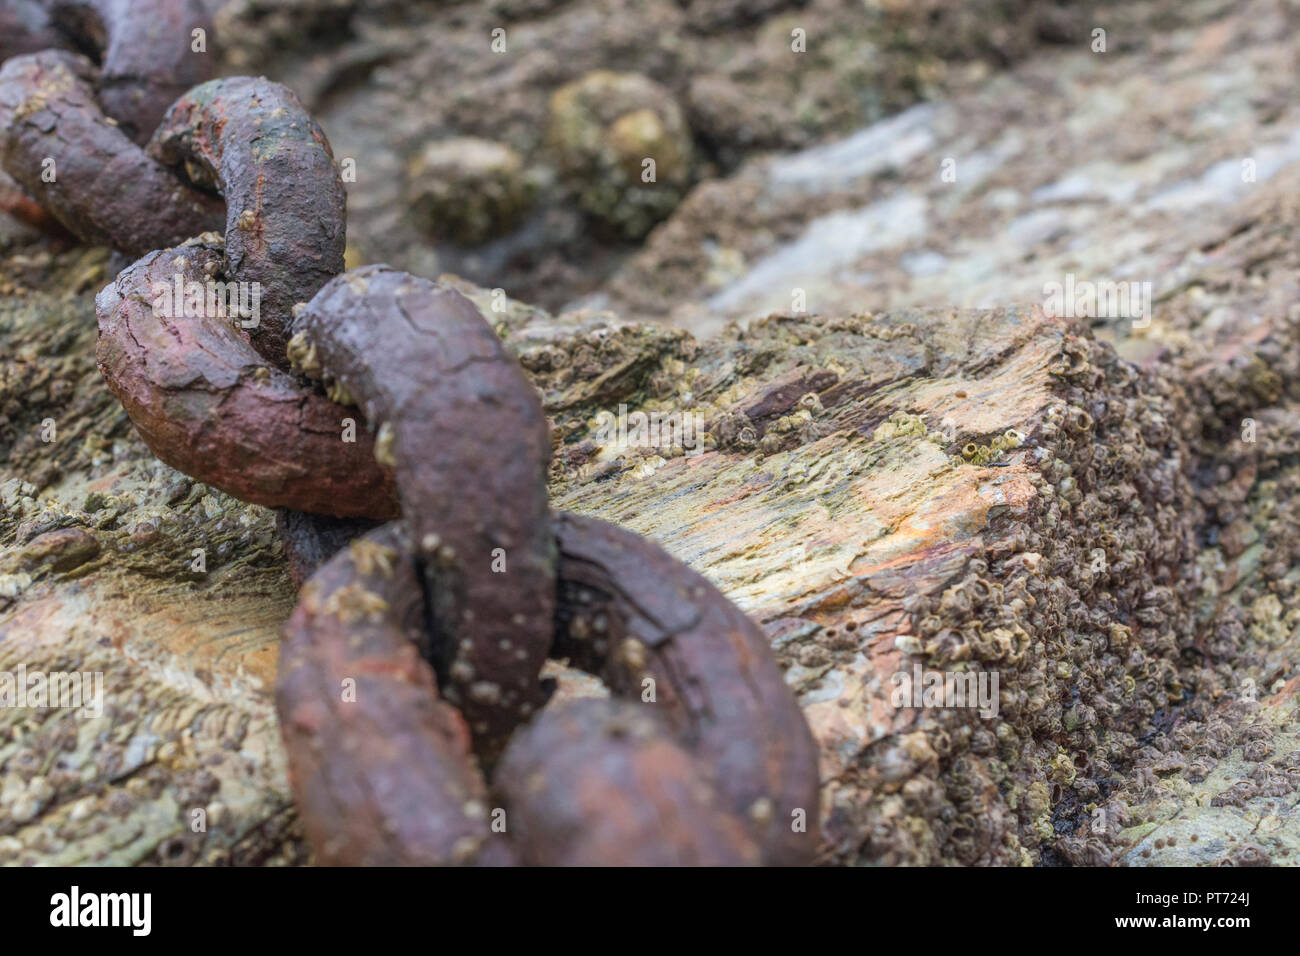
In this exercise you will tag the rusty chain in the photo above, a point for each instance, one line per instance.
(439, 621)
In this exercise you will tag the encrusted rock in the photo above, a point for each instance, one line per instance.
(468, 190)
(622, 143)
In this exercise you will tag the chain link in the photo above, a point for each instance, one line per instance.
(411, 664)
(60, 147)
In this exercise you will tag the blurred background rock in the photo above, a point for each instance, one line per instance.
(515, 158)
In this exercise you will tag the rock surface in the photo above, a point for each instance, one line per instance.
(1103, 516)
(879, 491)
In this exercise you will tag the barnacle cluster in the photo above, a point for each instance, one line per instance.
(800, 426)
(900, 424)
(304, 358)
(1138, 618)
(1223, 750)
(1082, 610)
(983, 454)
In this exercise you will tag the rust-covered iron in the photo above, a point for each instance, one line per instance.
(382, 769)
(148, 52)
(380, 766)
(253, 142)
(465, 432)
(603, 782)
(413, 658)
(646, 623)
(705, 759)
(698, 772)
(56, 143)
(206, 403)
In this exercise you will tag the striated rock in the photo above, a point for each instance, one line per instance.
(981, 493)
(62, 550)
(1238, 811)
(114, 564)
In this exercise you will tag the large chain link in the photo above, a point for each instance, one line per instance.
(409, 690)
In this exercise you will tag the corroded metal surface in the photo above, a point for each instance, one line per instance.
(380, 766)
(602, 782)
(205, 402)
(310, 540)
(382, 769)
(147, 53)
(55, 142)
(469, 444)
(252, 141)
(645, 622)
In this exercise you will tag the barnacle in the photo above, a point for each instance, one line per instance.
(1085, 620)
(371, 557)
(467, 189)
(898, 425)
(385, 443)
(338, 392)
(303, 356)
(353, 603)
